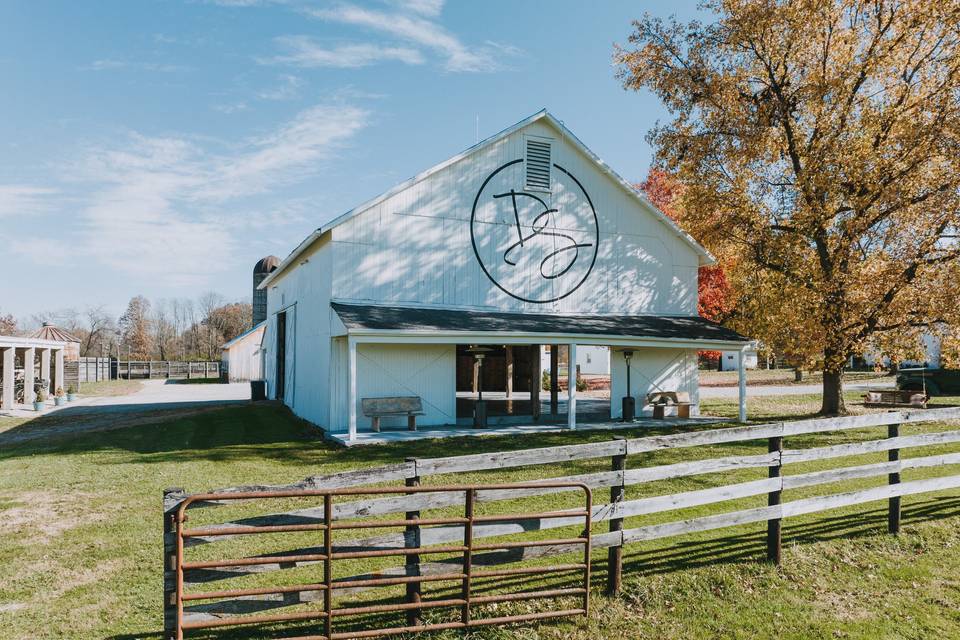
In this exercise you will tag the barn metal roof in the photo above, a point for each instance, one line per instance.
(425, 319)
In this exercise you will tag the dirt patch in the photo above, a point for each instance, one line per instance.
(44, 515)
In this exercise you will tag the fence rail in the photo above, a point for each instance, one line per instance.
(89, 369)
(777, 460)
(151, 369)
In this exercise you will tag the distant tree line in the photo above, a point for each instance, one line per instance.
(168, 329)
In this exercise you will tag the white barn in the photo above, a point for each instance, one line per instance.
(240, 358)
(523, 240)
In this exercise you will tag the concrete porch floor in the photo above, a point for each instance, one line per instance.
(457, 431)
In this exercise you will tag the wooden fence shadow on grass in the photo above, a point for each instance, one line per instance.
(751, 546)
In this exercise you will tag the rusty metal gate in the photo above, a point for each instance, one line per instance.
(463, 606)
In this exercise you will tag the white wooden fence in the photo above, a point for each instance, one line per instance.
(776, 460)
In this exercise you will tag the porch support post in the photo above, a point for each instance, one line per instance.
(742, 380)
(535, 381)
(45, 368)
(352, 388)
(29, 373)
(554, 379)
(8, 359)
(58, 374)
(572, 386)
(508, 362)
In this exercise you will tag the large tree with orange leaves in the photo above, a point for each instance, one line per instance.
(821, 140)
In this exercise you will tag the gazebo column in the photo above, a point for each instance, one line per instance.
(45, 367)
(28, 375)
(58, 374)
(8, 373)
(742, 383)
(352, 388)
(572, 386)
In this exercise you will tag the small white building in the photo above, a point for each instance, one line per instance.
(525, 239)
(730, 360)
(241, 357)
(591, 360)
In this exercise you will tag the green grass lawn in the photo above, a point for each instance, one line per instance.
(110, 388)
(761, 377)
(81, 517)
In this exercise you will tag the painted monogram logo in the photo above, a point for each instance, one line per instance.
(537, 247)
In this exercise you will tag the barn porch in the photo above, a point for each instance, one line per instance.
(544, 426)
(394, 352)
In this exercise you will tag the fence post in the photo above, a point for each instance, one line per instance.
(893, 509)
(774, 525)
(615, 553)
(412, 539)
(171, 502)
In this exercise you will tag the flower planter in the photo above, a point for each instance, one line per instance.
(71, 397)
(60, 401)
(38, 406)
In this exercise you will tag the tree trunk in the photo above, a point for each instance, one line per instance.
(798, 374)
(833, 394)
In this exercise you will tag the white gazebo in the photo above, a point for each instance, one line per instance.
(19, 357)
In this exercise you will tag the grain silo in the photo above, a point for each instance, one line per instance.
(261, 271)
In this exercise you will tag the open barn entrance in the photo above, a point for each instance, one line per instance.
(514, 381)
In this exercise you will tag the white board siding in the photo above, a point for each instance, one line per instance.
(415, 246)
(652, 370)
(427, 371)
(304, 293)
(242, 359)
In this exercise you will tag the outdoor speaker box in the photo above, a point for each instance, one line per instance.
(629, 408)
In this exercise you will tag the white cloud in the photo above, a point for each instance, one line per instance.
(157, 202)
(303, 51)
(119, 65)
(47, 252)
(231, 107)
(288, 89)
(423, 7)
(413, 27)
(23, 199)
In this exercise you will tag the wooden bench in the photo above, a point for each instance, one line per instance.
(663, 399)
(895, 398)
(376, 408)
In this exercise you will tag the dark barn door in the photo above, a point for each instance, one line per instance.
(281, 354)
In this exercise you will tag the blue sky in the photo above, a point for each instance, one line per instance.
(161, 148)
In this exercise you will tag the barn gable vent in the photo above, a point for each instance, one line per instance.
(538, 164)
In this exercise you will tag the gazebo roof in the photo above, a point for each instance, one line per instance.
(50, 332)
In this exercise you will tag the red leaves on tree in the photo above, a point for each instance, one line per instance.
(713, 294)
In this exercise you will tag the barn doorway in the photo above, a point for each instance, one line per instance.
(505, 379)
(281, 354)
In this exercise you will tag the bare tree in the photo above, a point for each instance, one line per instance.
(97, 332)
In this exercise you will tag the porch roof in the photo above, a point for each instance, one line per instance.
(394, 319)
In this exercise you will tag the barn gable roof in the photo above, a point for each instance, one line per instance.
(705, 258)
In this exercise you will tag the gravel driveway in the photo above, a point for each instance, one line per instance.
(157, 400)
